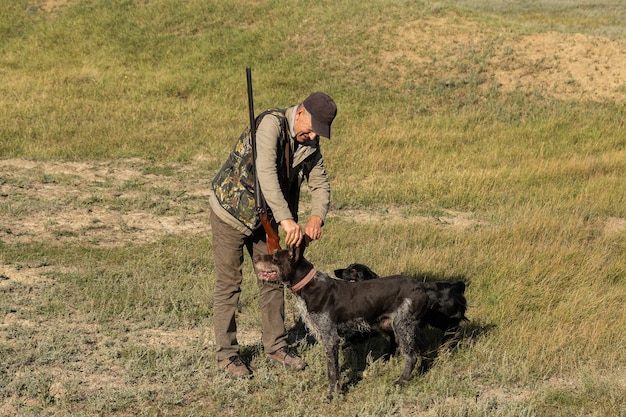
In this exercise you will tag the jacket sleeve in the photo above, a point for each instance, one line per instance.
(319, 187)
(267, 137)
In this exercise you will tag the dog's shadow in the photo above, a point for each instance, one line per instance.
(361, 351)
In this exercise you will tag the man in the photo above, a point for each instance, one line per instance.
(288, 151)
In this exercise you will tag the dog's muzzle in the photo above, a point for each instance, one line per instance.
(267, 275)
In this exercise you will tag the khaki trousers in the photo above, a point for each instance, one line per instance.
(228, 246)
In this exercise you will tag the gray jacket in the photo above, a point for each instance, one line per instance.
(233, 186)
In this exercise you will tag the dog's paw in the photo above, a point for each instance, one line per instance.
(335, 391)
(401, 382)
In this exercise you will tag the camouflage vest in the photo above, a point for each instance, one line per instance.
(234, 183)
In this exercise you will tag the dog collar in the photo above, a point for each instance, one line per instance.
(304, 281)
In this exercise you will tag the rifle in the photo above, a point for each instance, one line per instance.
(273, 239)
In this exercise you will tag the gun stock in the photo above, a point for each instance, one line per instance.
(272, 238)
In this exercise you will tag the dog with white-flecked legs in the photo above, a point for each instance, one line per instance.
(331, 308)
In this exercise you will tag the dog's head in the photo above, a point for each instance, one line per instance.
(447, 304)
(282, 266)
(355, 272)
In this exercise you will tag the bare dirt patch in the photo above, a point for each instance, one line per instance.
(614, 226)
(568, 66)
(452, 219)
(112, 203)
(52, 6)
(104, 203)
(565, 65)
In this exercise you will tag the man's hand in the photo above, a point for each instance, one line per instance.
(293, 232)
(313, 228)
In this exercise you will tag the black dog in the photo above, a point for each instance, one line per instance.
(331, 307)
(355, 272)
(359, 272)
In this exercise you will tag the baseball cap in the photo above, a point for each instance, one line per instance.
(323, 110)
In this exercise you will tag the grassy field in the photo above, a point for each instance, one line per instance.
(475, 140)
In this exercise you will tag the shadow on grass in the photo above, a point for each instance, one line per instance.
(249, 352)
(363, 350)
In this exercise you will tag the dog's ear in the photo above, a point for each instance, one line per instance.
(300, 251)
(295, 252)
(372, 273)
(292, 252)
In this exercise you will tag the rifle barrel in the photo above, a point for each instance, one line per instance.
(257, 187)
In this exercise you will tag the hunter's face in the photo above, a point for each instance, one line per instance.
(303, 126)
